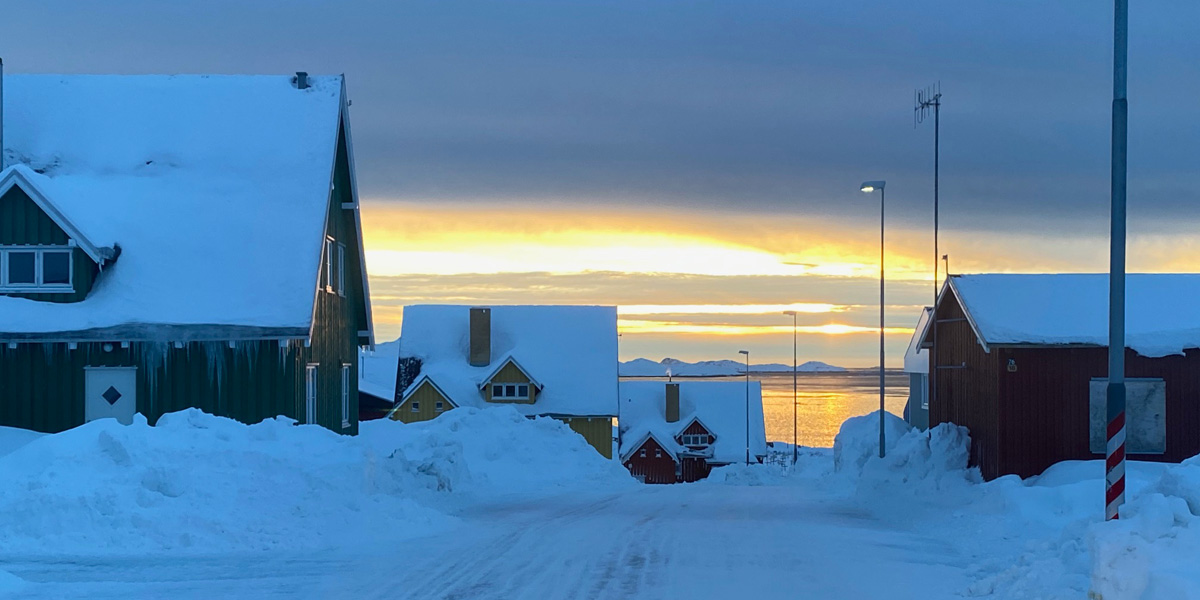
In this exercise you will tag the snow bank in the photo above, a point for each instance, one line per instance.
(199, 483)
(495, 451)
(857, 440)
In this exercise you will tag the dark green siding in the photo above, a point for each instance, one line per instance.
(42, 384)
(336, 326)
(24, 223)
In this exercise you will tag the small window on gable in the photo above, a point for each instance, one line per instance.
(21, 270)
(658, 453)
(328, 265)
(642, 453)
(33, 269)
(440, 406)
(510, 391)
(415, 406)
(341, 269)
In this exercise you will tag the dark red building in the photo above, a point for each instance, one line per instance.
(675, 432)
(1021, 361)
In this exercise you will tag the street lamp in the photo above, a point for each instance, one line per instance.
(795, 388)
(747, 353)
(868, 187)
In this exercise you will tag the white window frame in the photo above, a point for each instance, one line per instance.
(440, 406)
(345, 395)
(642, 453)
(516, 395)
(38, 286)
(310, 393)
(658, 453)
(328, 264)
(341, 269)
(414, 406)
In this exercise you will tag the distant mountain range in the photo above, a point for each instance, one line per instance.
(644, 367)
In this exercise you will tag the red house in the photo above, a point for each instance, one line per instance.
(1021, 361)
(678, 432)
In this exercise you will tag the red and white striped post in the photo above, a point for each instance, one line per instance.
(1114, 480)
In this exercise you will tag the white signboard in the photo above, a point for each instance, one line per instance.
(1145, 416)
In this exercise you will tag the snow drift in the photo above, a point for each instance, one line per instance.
(199, 483)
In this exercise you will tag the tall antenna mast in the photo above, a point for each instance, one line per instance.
(924, 100)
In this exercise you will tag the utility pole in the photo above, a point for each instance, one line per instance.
(1114, 481)
(747, 353)
(924, 100)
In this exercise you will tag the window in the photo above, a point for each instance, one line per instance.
(310, 394)
(439, 406)
(414, 406)
(345, 395)
(510, 391)
(341, 269)
(329, 264)
(642, 453)
(35, 269)
(694, 439)
(658, 453)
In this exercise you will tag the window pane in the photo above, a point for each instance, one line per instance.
(510, 391)
(56, 268)
(20, 268)
(416, 406)
(497, 391)
(523, 391)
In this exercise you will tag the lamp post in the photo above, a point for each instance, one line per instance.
(747, 353)
(868, 187)
(1114, 488)
(795, 387)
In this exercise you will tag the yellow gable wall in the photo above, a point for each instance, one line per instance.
(426, 398)
(596, 430)
(510, 374)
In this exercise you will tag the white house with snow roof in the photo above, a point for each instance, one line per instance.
(169, 242)
(553, 361)
(677, 431)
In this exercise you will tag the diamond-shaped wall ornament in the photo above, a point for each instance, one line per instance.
(111, 395)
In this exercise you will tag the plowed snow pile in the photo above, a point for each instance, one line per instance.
(198, 483)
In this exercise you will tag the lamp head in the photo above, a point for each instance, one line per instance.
(746, 352)
(870, 186)
(790, 313)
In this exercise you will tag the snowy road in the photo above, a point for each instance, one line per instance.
(687, 541)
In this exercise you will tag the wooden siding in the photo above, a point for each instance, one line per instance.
(966, 396)
(650, 469)
(24, 223)
(693, 469)
(510, 374)
(1045, 404)
(426, 396)
(347, 233)
(596, 430)
(42, 385)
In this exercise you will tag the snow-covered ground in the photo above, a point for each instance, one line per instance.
(488, 504)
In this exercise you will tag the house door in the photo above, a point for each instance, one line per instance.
(110, 392)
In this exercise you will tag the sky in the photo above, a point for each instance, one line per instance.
(698, 163)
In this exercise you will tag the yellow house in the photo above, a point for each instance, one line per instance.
(544, 361)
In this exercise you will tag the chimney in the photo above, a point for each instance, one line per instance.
(481, 337)
(301, 80)
(672, 402)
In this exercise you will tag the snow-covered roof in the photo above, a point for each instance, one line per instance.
(571, 351)
(719, 405)
(1162, 313)
(214, 187)
(377, 370)
(916, 359)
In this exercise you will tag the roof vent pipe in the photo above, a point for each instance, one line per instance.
(301, 80)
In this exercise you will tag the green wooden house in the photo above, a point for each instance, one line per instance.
(173, 242)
